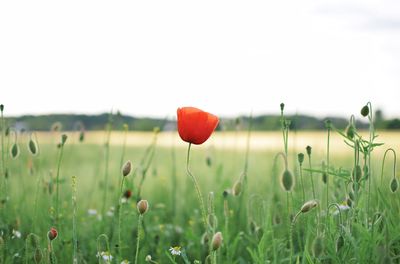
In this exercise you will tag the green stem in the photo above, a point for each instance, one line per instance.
(107, 157)
(197, 187)
(371, 136)
(311, 176)
(327, 167)
(3, 164)
(58, 180)
(302, 183)
(138, 238)
(119, 218)
(74, 231)
(394, 163)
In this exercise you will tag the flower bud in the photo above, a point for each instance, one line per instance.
(282, 105)
(32, 146)
(308, 149)
(318, 246)
(394, 185)
(300, 157)
(365, 110)
(52, 234)
(81, 136)
(237, 188)
(1, 107)
(126, 169)
(287, 180)
(14, 151)
(216, 241)
(307, 206)
(350, 131)
(63, 139)
(357, 173)
(339, 243)
(127, 194)
(142, 206)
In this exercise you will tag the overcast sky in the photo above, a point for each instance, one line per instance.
(146, 58)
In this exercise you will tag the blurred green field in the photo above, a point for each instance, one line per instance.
(254, 224)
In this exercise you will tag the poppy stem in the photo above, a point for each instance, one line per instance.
(138, 238)
(197, 187)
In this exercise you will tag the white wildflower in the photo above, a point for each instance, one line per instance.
(92, 212)
(176, 251)
(16, 234)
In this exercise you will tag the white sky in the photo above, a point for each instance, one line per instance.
(146, 58)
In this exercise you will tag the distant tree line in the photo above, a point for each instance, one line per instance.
(71, 122)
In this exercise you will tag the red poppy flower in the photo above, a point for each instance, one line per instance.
(52, 234)
(194, 125)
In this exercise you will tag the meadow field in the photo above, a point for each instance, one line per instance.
(321, 215)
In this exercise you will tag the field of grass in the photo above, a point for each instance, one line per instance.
(260, 222)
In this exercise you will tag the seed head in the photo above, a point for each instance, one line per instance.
(308, 149)
(287, 181)
(52, 234)
(216, 241)
(126, 169)
(394, 185)
(307, 206)
(142, 206)
(365, 110)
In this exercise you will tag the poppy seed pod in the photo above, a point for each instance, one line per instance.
(365, 110)
(237, 188)
(142, 206)
(287, 180)
(394, 185)
(126, 169)
(216, 241)
(307, 206)
(300, 157)
(308, 149)
(195, 126)
(52, 234)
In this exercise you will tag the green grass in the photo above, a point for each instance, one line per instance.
(257, 229)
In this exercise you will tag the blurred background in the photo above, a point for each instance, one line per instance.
(143, 59)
